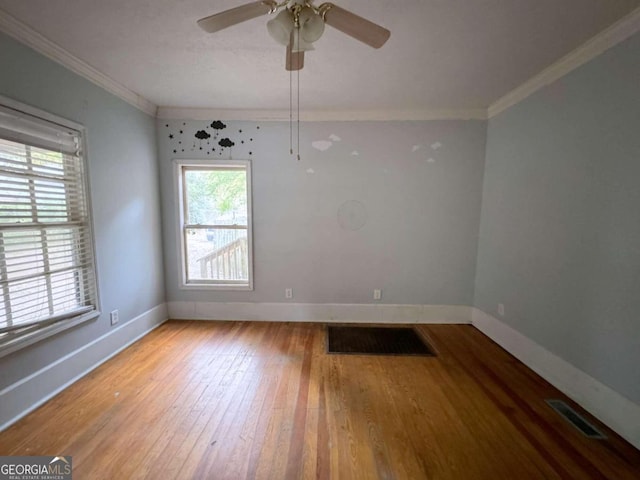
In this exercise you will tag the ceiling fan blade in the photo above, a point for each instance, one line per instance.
(225, 19)
(356, 26)
(295, 61)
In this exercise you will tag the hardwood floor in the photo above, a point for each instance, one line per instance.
(224, 400)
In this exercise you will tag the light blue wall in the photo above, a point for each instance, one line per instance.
(420, 183)
(560, 226)
(124, 190)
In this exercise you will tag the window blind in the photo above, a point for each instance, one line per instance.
(47, 271)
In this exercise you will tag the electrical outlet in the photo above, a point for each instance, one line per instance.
(377, 294)
(288, 293)
(501, 309)
(115, 318)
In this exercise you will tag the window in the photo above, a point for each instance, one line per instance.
(215, 224)
(47, 270)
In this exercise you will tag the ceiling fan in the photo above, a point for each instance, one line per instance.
(299, 23)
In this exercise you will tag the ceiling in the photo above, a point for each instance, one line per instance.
(442, 54)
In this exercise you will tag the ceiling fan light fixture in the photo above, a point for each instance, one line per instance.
(299, 44)
(281, 26)
(311, 25)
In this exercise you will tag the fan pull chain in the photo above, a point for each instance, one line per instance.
(298, 103)
(298, 141)
(290, 53)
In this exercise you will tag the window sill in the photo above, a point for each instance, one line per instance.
(216, 286)
(18, 341)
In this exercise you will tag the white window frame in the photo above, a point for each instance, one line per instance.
(36, 333)
(184, 284)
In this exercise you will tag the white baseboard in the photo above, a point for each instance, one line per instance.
(318, 312)
(29, 393)
(619, 413)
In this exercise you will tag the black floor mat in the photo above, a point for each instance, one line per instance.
(376, 341)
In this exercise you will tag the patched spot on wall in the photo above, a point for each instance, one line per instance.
(352, 215)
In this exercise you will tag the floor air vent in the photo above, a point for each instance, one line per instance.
(376, 341)
(575, 419)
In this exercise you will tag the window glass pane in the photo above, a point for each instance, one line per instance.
(64, 291)
(46, 162)
(61, 249)
(15, 200)
(216, 197)
(51, 202)
(23, 254)
(217, 254)
(29, 300)
(12, 155)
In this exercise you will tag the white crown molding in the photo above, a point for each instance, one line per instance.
(26, 35)
(320, 115)
(613, 35)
